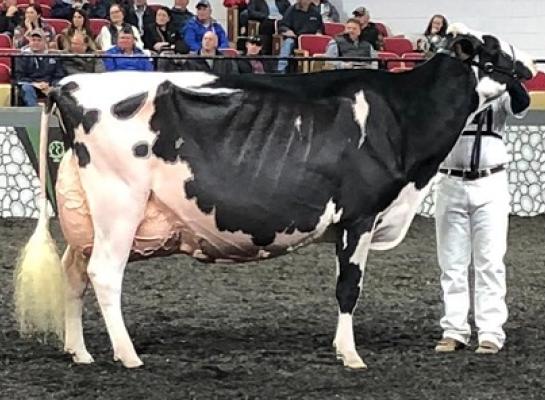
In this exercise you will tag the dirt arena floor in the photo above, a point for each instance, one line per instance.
(264, 331)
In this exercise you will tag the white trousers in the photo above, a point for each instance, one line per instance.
(471, 220)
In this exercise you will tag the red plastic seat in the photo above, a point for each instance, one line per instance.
(383, 30)
(398, 45)
(536, 84)
(155, 7)
(389, 59)
(5, 74)
(56, 23)
(5, 55)
(46, 10)
(312, 44)
(412, 56)
(229, 52)
(5, 41)
(333, 28)
(96, 24)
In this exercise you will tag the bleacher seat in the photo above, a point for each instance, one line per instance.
(5, 55)
(536, 84)
(58, 24)
(312, 44)
(5, 74)
(229, 52)
(398, 45)
(413, 56)
(390, 60)
(96, 24)
(5, 40)
(333, 28)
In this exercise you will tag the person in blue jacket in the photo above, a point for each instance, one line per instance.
(125, 46)
(195, 28)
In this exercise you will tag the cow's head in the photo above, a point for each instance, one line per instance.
(496, 62)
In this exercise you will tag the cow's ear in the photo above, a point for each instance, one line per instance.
(465, 47)
(491, 43)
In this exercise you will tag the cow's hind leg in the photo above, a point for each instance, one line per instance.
(115, 227)
(75, 269)
(352, 247)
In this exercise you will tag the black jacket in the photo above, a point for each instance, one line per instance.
(8, 24)
(153, 34)
(148, 18)
(302, 22)
(179, 18)
(245, 67)
(38, 69)
(219, 67)
(259, 10)
(372, 35)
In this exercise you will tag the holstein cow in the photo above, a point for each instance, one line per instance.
(239, 168)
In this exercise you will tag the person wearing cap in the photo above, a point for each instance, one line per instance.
(209, 48)
(194, 30)
(369, 31)
(267, 12)
(35, 75)
(126, 45)
(254, 45)
(349, 44)
(300, 18)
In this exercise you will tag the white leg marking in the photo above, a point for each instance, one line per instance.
(345, 345)
(361, 112)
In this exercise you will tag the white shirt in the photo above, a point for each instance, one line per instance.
(493, 150)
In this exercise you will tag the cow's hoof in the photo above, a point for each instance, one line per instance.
(353, 361)
(81, 357)
(134, 362)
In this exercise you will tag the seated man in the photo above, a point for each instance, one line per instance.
(210, 48)
(126, 46)
(36, 75)
(80, 44)
(254, 45)
(369, 31)
(203, 22)
(349, 44)
(303, 17)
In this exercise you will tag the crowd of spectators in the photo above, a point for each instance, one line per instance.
(135, 28)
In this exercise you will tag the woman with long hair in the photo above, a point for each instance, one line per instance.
(80, 24)
(434, 34)
(32, 20)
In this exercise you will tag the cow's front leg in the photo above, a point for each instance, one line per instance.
(75, 269)
(352, 246)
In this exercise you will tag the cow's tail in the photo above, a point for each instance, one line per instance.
(39, 276)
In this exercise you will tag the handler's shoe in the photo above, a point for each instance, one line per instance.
(448, 345)
(486, 347)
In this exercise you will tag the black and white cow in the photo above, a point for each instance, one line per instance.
(251, 167)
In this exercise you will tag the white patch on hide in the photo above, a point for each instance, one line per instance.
(361, 251)
(361, 112)
(298, 122)
(396, 219)
(488, 89)
(329, 216)
(345, 239)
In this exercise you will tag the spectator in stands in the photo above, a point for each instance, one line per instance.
(434, 36)
(36, 75)
(81, 43)
(180, 15)
(126, 45)
(300, 18)
(349, 44)
(267, 12)
(254, 45)
(100, 9)
(33, 20)
(10, 16)
(203, 22)
(65, 8)
(369, 31)
(327, 10)
(107, 38)
(80, 24)
(209, 47)
(159, 35)
(140, 15)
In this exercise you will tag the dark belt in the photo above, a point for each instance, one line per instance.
(472, 175)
